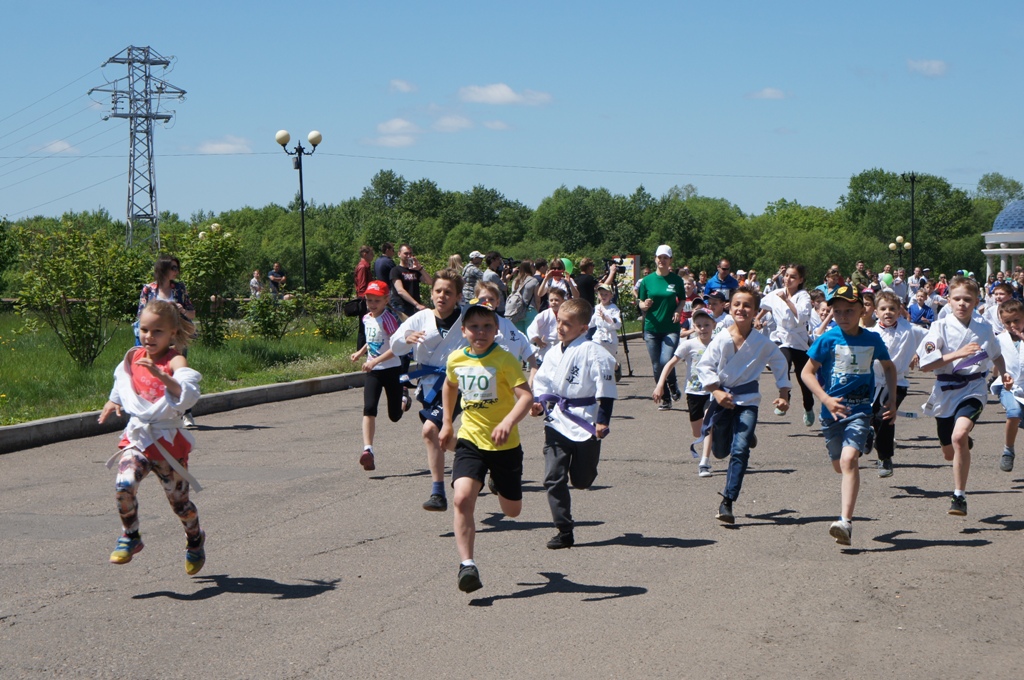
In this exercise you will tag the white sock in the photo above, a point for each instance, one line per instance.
(843, 519)
(368, 447)
(958, 492)
(704, 461)
(468, 563)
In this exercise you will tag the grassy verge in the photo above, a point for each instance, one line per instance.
(39, 380)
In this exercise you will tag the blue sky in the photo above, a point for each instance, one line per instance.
(748, 101)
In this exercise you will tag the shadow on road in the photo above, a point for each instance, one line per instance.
(918, 492)
(641, 541)
(558, 583)
(246, 585)
(783, 518)
(496, 521)
(896, 543)
(418, 473)
(780, 471)
(239, 428)
(999, 524)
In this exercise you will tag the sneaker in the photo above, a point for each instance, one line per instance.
(703, 470)
(779, 412)
(970, 443)
(125, 549)
(469, 578)
(869, 441)
(725, 512)
(885, 467)
(753, 441)
(958, 506)
(841, 531)
(406, 399)
(563, 539)
(676, 394)
(366, 460)
(665, 406)
(188, 419)
(436, 503)
(618, 373)
(808, 418)
(1006, 462)
(195, 556)
(490, 485)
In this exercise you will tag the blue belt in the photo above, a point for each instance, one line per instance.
(716, 410)
(564, 403)
(426, 369)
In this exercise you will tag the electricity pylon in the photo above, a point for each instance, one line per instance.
(138, 97)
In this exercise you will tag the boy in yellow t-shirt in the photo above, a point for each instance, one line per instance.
(495, 397)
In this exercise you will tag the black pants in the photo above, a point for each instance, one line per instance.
(361, 336)
(798, 358)
(885, 430)
(385, 379)
(567, 462)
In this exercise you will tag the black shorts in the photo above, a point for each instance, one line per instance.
(697, 404)
(968, 408)
(434, 411)
(506, 467)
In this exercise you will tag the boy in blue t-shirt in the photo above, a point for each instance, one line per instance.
(839, 372)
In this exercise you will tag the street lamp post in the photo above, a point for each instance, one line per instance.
(297, 153)
(899, 246)
(912, 178)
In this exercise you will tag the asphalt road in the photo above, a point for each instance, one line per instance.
(319, 569)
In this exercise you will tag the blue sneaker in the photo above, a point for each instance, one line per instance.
(195, 556)
(125, 549)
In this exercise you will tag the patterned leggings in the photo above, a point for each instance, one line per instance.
(131, 470)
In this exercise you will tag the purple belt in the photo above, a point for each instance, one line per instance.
(564, 403)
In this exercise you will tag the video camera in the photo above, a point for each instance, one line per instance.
(618, 262)
(509, 263)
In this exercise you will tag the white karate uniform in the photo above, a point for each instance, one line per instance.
(1013, 357)
(991, 315)
(948, 335)
(727, 366)
(790, 330)
(583, 369)
(432, 350)
(605, 335)
(901, 342)
(545, 327)
(512, 340)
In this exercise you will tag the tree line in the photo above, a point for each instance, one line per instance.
(581, 222)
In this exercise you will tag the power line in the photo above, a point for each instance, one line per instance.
(53, 154)
(26, 108)
(60, 198)
(41, 129)
(73, 160)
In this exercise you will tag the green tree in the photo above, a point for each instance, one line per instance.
(83, 285)
(996, 187)
(209, 263)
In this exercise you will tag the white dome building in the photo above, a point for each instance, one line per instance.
(1006, 240)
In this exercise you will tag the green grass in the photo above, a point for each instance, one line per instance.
(39, 380)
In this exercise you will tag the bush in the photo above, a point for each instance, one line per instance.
(329, 324)
(84, 286)
(270, 318)
(209, 265)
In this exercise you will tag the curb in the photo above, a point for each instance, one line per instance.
(62, 428)
(51, 430)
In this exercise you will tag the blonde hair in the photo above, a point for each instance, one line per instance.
(578, 308)
(182, 329)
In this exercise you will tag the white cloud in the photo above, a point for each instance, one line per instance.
(58, 146)
(452, 123)
(767, 93)
(397, 126)
(392, 141)
(502, 94)
(496, 125)
(226, 145)
(931, 68)
(399, 85)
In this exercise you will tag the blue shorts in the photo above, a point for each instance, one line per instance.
(852, 431)
(1014, 409)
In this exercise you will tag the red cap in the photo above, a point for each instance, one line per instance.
(377, 289)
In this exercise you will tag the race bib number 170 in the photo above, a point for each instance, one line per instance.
(478, 383)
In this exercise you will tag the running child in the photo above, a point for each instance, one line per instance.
(543, 331)
(495, 397)
(1011, 397)
(575, 390)
(509, 338)
(1001, 292)
(960, 348)
(901, 341)
(690, 351)
(729, 370)
(718, 307)
(155, 386)
(383, 369)
(839, 372)
(607, 320)
(428, 335)
(921, 314)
